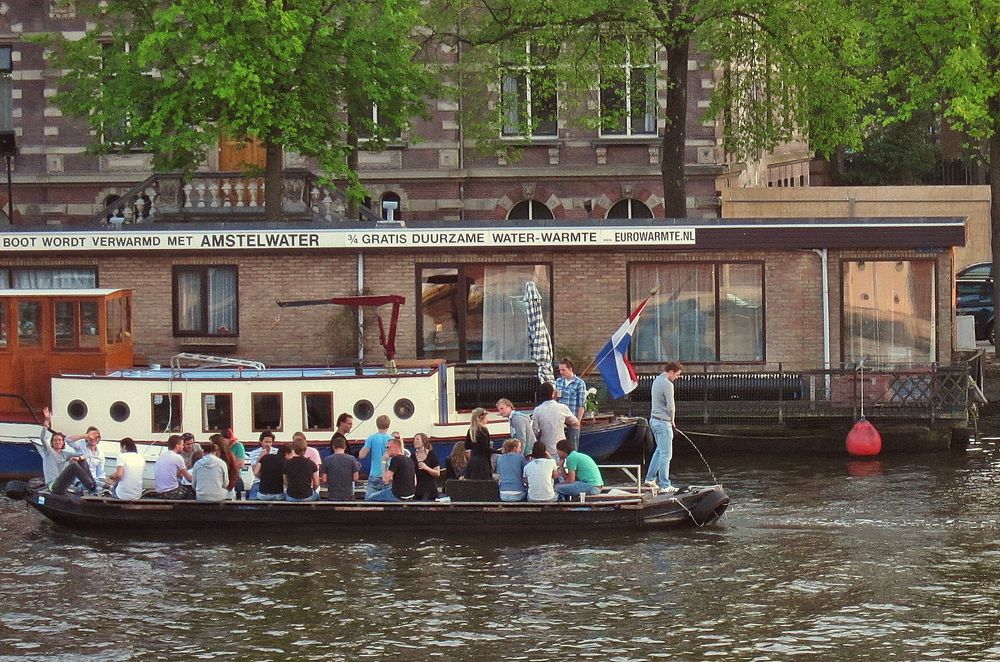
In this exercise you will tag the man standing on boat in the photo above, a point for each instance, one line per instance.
(520, 423)
(376, 445)
(572, 393)
(551, 419)
(661, 421)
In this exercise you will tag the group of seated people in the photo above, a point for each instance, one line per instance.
(295, 472)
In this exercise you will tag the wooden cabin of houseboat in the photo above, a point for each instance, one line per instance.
(46, 332)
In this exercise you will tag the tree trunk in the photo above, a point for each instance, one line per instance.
(272, 181)
(994, 105)
(672, 159)
(352, 166)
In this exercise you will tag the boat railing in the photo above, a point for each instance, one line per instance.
(207, 359)
(632, 471)
(761, 394)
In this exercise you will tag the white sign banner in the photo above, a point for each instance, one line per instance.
(117, 240)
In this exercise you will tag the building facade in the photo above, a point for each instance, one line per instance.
(433, 172)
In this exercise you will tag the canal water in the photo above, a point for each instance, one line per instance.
(818, 558)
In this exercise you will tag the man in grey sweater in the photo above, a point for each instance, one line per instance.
(661, 421)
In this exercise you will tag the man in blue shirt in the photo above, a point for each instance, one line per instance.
(377, 446)
(572, 393)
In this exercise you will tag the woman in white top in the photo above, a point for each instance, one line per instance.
(540, 474)
(127, 477)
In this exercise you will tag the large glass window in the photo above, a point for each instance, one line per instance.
(205, 301)
(266, 411)
(704, 311)
(46, 278)
(889, 313)
(317, 411)
(29, 323)
(528, 94)
(76, 325)
(216, 412)
(628, 94)
(477, 312)
(166, 412)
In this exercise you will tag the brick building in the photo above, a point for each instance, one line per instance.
(566, 172)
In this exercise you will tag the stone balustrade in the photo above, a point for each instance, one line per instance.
(218, 196)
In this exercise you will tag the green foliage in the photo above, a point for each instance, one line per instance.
(172, 76)
(900, 154)
(790, 67)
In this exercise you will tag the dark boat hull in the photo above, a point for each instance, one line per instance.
(696, 507)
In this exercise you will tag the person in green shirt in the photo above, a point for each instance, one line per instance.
(582, 474)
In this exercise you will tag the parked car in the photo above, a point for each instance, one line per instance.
(978, 271)
(975, 297)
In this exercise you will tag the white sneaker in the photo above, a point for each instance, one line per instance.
(651, 484)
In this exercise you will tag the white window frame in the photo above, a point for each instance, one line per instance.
(629, 70)
(511, 129)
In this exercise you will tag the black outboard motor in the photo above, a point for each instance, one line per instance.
(16, 490)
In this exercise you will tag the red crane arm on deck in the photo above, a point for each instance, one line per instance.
(388, 342)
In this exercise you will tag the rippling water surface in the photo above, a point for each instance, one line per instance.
(818, 558)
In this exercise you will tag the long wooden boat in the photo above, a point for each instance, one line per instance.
(696, 506)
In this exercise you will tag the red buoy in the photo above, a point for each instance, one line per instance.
(864, 440)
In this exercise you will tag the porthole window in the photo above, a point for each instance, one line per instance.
(363, 409)
(403, 408)
(77, 410)
(120, 411)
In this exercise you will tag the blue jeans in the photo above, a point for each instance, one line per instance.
(374, 485)
(260, 496)
(659, 464)
(576, 487)
(573, 437)
(312, 497)
(384, 495)
(511, 496)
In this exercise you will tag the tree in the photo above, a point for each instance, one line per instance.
(944, 53)
(898, 154)
(172, 76)
(786, 65)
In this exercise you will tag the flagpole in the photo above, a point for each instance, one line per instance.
(597, 359)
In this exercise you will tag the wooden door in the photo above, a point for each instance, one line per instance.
(235, 156)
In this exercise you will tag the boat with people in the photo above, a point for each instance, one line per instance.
(615, 510)
(83, 339)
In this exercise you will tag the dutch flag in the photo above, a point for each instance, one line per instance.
(612, 360)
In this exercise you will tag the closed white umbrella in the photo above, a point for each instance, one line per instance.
(539, 340)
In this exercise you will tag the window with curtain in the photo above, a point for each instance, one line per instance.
(477, 312)
(704, 312)
(45, 278)
(889, 314)
(206, 300)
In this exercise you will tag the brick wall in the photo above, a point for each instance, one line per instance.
(590, 299)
